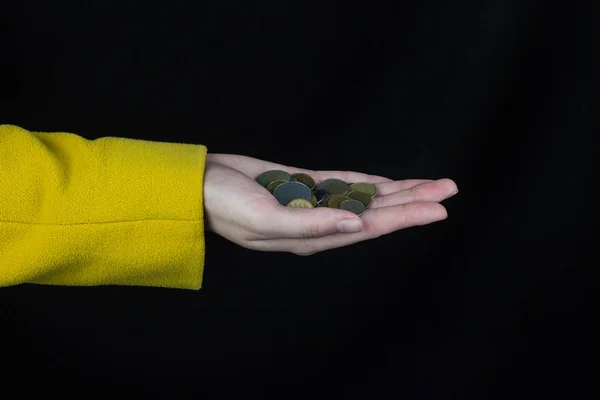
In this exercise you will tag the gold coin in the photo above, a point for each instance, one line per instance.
(354, 206)
(313, 201)
(360, 195)
(304, 178)
(365, 187)
(273, 185)
(299, 203)
(335, 200)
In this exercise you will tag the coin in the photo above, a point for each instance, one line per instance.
(360, 195)
(365, 187)
(301, 191)
(270, 176)
(352, 205)
(335, 200)
(304, 178)
(333, 186)
(323, 202)
(289, 191)
(320, 195)
(273, 185)
(299, 203)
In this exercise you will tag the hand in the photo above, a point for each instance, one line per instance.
(242, 211)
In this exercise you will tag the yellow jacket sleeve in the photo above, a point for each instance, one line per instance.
(110, 211)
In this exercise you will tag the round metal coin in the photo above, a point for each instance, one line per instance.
(273, 185)
(333, 186)
(313, 200)
(323, 202)
(270, 176)
(321, 195)
(299, 203)
(289, 191)
(304, 178)
(360, 195)
(354, 206)
(335, 200)
(365, 187)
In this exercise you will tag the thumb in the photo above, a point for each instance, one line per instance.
(306, 223)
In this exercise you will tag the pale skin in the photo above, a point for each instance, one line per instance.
(240, 210)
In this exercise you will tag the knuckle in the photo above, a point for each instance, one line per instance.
(313, 231)
(413, 195)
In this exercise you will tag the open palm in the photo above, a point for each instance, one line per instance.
(241, 210)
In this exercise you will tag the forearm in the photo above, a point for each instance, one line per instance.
(94, 212)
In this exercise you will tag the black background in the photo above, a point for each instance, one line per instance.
(501, 96)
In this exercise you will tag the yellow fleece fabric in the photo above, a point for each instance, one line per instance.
(110, 211)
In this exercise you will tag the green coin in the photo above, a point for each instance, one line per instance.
(289, 191)
(300, 203)
(333, 186)
(271, 176)
(360, 195)
(304, 178)
(273, 185)
(365, 187)
(313, 201)
(352, 205)
(335, 200)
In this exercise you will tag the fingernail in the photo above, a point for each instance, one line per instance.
(453, 194)
(349, 226)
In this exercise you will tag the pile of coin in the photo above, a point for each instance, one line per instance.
(302, 191)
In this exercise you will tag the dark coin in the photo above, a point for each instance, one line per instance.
(271, 176)
(365, 187)
(354, 206)
(289, 191)
(273, 185)
(360, 195)
(333, 186)
(323, 202)
(304, 178)
(320, 195)
(335, 200)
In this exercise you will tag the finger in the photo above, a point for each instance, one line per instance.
(431, 191)
(377, 222)
(385, 188)
(250, 167)
(299, 223)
